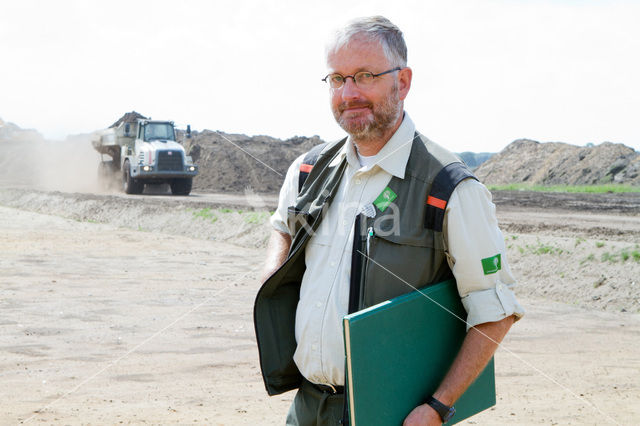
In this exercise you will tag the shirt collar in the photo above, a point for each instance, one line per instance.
(393, 156)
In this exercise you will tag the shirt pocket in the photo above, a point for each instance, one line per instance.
(318, 251)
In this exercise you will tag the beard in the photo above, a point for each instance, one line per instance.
(385, 115)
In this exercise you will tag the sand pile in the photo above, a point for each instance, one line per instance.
(556, 163)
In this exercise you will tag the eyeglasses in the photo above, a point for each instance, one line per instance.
(361, 79)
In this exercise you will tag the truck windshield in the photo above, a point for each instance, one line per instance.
(156, 131)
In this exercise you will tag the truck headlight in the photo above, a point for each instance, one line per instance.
(192, 168)
(147, 168)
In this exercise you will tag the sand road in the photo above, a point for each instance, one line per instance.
(101, 323)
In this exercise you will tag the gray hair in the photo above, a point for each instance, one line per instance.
(373, 28)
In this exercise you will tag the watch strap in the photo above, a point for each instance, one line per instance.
(443, 410)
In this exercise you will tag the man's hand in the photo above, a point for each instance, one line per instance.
(423, 415)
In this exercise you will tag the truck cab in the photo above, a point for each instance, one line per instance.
(150, 154)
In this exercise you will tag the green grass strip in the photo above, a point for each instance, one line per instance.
(598, 189)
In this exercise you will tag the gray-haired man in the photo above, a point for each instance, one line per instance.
(383, 170)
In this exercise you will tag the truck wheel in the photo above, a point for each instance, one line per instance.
(129, 184)
(181, 186)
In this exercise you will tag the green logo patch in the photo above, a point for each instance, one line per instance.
(385, 198)
(492, 264)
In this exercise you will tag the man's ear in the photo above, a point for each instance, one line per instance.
(404, 82)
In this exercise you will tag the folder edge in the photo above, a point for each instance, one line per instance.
(352, 415)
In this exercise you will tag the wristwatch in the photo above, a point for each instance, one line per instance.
(445, 411)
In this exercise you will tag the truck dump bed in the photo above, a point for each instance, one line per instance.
(105, 141)
(109, 141)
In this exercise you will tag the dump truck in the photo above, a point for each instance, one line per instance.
(142, 151)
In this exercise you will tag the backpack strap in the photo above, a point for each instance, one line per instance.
(443, 185)
(308, 162)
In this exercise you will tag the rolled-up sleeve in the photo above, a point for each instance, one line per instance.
(477, 255)
(288, 194)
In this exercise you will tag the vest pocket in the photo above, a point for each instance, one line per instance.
(397, 265)
(425, 239)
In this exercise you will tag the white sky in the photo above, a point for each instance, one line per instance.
(485, 72)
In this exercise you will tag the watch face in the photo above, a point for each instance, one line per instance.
(449, 414)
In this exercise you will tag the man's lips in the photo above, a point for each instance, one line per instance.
(354, 108)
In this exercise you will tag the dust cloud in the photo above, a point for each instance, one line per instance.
(28, 160)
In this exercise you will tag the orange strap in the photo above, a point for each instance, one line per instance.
(436, 202)
(305, 167)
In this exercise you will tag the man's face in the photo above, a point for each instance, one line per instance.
(366, 113)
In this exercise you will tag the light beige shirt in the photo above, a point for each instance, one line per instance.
(324, 293)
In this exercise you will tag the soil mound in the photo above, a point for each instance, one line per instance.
(9, 132)
(129, 117)
(556, 163)
(28, 159)
(233, 162)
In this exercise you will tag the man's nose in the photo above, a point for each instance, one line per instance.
(350, 89)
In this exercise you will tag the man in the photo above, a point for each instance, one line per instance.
(378, 180)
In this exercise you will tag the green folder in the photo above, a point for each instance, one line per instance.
(399, 351)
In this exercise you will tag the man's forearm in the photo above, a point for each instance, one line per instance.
(478, 347)
(277, 250)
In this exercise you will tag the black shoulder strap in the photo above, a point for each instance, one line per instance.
(308, 162)
(441, 189)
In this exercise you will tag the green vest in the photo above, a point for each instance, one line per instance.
(403, 244)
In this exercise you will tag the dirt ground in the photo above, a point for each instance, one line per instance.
(138, 309)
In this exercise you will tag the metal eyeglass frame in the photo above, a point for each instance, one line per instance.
(353, 77)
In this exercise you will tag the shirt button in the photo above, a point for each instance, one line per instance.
(314, 347)
(333, 264)
(358, 181)
(319, 304)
